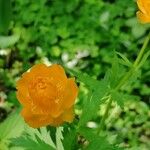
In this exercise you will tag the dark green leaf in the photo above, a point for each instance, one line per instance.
(69, 140)
(5, 14)
(52, 133)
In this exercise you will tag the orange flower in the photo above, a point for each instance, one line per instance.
(144, 13)
(47, 96)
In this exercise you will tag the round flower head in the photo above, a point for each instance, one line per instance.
(144, 13)
(47, 96)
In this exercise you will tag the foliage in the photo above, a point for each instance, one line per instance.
(10, 128)
(97, 42)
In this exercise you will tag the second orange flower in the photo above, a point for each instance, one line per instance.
(144, 13)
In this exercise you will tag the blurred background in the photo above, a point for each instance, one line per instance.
(80, 34)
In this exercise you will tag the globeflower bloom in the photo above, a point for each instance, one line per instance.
(144, 13)
(47, 96)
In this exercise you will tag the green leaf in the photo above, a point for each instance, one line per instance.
(69, 140)
(5, 14)
(87, 133)
(89, 82)
(92, 104)
(114, 71)
(45, 136)
(28, 143)
(96, 142)
(125, 59)
(100, 143)
(118, 97)
(6, 41)
(52, 133)
(11, 127)
(59, 138)
(34, 139)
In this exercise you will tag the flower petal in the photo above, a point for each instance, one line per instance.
(71, 93)
(57, 122)
(58, 72)
(141, 5)
(142, 17)
(40, 70)
(22, 93)
(36, 120)
(68, 115)
(55, 110)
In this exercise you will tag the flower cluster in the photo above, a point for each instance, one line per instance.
(47, 96)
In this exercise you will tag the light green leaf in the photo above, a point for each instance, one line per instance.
(6, 41)
(59, 138)
(28, 143)
(34, 138)
(11, 127)
(45, 136)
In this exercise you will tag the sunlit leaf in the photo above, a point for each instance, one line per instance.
(34, 139)
(11, 127)
(6, 41)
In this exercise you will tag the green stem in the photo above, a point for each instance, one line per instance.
(140, 55)
(102, 123)
(137, 61)
(123, 81)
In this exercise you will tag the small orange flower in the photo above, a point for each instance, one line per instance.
(47, 96)
(144, 13)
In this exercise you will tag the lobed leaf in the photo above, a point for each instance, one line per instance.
(93, 102)
(11, 127)
(28, 143)
(89, 82)
(69, 139)
(96, 142)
